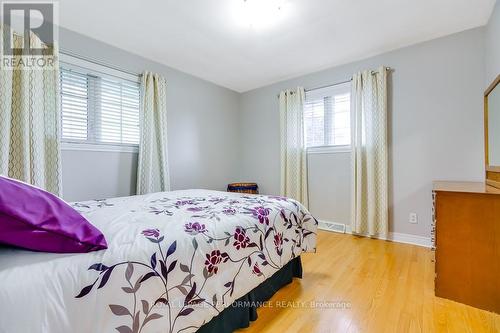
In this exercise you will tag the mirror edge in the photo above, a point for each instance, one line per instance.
(492, 173)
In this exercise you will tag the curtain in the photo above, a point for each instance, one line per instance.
(369, 158)
(30, 121)
(293, 150)
(152, 172)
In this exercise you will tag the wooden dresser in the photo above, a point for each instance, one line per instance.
(466, 236)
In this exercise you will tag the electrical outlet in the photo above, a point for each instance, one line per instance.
(413, 218)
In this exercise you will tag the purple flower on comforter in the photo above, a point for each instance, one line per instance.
(278, 198)
(214, 259)
(151, 233)
(229, 211)
(256, 270)
(194, 228)
(185, 202)
(241, 239)
(278, 242)
(262, 214)
(196, 209)
(216, 201)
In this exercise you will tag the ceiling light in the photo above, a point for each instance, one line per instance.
(259, 14)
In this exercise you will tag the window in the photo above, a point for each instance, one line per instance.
(327, 116)
(98, 108)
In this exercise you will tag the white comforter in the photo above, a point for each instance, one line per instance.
(174, 261)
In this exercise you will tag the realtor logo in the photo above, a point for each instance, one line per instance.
(29, 33)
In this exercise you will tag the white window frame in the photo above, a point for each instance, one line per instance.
(338, 149)
(79, 65)
(322, 93)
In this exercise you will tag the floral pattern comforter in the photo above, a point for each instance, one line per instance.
(174, 261)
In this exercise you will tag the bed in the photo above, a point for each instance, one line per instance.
(176, 262)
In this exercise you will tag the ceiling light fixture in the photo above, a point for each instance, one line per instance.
(259, 14)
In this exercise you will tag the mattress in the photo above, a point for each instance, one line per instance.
(174, 261)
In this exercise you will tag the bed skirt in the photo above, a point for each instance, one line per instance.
(244, 310)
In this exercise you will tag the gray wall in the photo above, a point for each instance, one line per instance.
(98, 175)
(202, 132)
(435, 128)
(330, 186)
(492, 43)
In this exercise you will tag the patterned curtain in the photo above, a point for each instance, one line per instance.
(293, 150)
(152, 173)
(370, 170)
(30, 121)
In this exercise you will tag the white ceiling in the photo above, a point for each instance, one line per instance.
(207, 38)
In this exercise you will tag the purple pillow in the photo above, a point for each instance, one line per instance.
(37, 220)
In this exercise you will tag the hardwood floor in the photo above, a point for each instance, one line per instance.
(388, 286)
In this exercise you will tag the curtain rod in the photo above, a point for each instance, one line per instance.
(89, 59)
(98, 62)
(389, 69)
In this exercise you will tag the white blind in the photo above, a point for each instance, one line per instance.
(74, 105)
(327, 118)
(119, 112)
(99, 109)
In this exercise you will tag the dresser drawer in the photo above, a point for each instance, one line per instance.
(467, 248)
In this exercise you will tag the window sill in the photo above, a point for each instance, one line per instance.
(329, 150)
(117, 148)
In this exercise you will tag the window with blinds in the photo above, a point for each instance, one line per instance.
(327, 116)
(98, 109)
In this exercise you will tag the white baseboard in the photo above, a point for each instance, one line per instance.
(393, 236)
(410, 239)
